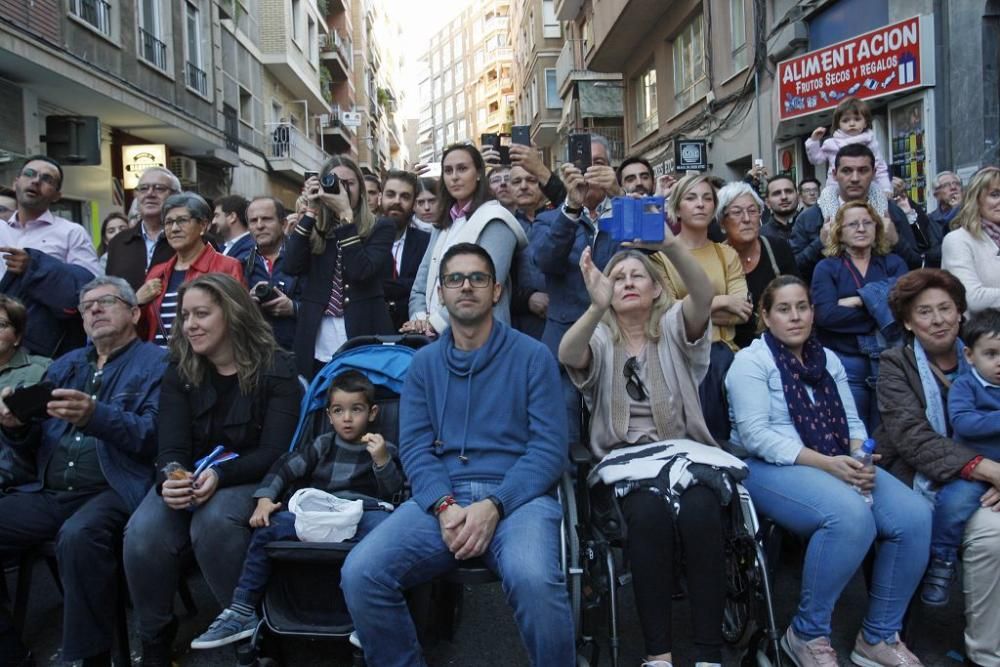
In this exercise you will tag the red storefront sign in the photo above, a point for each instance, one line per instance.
(880, 62)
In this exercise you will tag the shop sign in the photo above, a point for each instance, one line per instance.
(138, 158)
(690, 155)
(880, 62)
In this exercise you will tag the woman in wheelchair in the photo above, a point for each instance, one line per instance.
(638, 359)
(792, 411)
(228, 389)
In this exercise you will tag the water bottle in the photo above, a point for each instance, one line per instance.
(864, 454)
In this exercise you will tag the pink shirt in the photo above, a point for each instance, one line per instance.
(58, 237)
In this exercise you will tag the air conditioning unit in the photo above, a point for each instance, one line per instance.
(185, 168)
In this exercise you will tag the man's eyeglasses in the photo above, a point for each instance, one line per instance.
(48, 179)
(633, 383)
(159, 189)
(104, 302)
(182, 221)
(477, 279)
(497, 180)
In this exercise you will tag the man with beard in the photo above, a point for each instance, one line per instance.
(782, 208)
(635, 175)
(134, 251)
(46, 260)
(854, 170)
(398, 194)
(265, 263)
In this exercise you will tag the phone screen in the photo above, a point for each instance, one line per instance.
(579, 151)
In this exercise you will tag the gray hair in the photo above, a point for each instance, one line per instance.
(192, 201)
(603, 141)
(729, 193)
(942, 174)
(125, 290)
(175, 183)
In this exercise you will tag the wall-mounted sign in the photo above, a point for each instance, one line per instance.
(690, 155)
(137, 159)
(883, 61)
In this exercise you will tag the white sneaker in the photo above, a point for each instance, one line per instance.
(353, 639)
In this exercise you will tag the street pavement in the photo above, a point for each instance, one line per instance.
(487, 635)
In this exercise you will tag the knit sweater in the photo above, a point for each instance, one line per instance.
(490, 414)
(331, 464)
(975, 261)
(974, 409)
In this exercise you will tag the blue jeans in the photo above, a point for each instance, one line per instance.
(257, 565)
(407, 549)
(862, 383)
(841, 528)
(954, 504)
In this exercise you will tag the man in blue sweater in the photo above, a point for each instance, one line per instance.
(94, 454)
(483, 450)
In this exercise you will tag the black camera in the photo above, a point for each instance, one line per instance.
(264, 293)
(330, 183)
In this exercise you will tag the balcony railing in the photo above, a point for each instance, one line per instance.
(197, 78)
(153, 50)
(334, 41)
(496, 24)
(286, 142)
(95, 12)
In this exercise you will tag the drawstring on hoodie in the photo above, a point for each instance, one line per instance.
(438, 443)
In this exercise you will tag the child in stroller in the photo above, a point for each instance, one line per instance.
(349, 462)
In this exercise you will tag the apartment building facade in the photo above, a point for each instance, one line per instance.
(537, 41)
(742, 74)
(466, 79)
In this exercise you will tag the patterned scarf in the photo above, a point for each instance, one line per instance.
(457, 211)
(992, 231)
(820, 421)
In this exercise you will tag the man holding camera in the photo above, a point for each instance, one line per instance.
(556, 248)
(93, 439)
(275, 290)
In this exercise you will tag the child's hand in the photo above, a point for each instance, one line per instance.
(818, 134)
(375, 444)
(262, 515)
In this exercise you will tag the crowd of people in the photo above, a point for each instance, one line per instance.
(776, 327)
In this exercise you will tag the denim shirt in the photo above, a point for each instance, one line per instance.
(758, 410)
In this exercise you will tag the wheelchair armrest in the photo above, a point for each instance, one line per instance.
(579, 455)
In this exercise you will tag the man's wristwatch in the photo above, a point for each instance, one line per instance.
(571, 210)
(496, 503)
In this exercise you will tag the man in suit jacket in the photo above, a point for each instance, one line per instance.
(134, 251)
(398, 193)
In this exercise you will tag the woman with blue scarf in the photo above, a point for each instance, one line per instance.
(915, 440)
(792, 411)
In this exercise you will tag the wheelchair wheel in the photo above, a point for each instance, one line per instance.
(738, 621)
(571, 548)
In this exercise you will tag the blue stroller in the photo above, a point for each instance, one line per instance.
(303, 597)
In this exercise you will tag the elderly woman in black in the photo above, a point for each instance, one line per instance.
(227, 384)
(344, 252)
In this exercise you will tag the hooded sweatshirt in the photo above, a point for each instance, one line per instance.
(491, 414)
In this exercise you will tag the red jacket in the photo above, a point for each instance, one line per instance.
(209, 261)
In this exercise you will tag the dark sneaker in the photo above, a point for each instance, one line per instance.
(158, 652)
(935, 590)
(813, 653)
(228, 627)
(883, 654)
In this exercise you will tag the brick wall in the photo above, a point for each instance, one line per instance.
(40, 17)
(274, 34)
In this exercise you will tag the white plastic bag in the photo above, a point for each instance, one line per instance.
(323, 517)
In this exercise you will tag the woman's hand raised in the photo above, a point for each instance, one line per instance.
(598, 285)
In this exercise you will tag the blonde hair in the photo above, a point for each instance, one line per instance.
(834, 246)
(968, 217)
(249, 333)
(684, 186)
(660, 303)
(325, 227)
